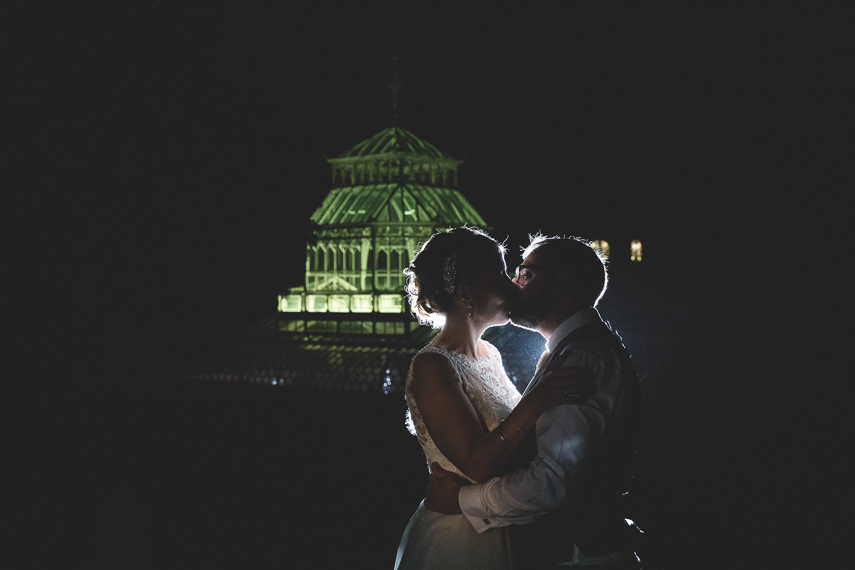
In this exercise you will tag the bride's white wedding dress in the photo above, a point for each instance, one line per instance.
(433, 541)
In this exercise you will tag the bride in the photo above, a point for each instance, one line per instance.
(468, 416)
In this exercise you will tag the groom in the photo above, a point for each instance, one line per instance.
(568, 503)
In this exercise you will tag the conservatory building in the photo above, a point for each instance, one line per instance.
(390, 193)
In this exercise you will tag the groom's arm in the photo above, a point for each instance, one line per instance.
(565, 436)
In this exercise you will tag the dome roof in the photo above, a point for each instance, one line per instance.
(393, 202)
(391, 140)
(395, 177)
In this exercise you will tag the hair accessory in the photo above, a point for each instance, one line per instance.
(449, 273)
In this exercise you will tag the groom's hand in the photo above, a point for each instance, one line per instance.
(442, 489)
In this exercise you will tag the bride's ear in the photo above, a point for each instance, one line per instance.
(464, 293)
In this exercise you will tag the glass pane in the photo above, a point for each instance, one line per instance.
(316, 303)
(290, 303)
(321, 326)
(338, 303)
(361, 303)
(390, 304)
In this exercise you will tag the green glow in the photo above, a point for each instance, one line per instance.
(406, 202)
(391, 140)
(390, 328)
(356, 327)
(290, 303)
(390, 304)
(292, 326)
(339, 303)
(361, 303)
(316, 303)
(390, 193)
(321, 326)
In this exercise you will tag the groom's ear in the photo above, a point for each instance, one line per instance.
(563, 283)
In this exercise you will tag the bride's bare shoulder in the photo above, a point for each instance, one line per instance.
(432, 366)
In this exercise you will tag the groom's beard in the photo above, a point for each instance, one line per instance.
(530, 313)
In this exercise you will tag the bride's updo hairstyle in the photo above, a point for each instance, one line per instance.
(444, 262)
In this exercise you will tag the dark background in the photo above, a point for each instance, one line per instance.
(172, 154)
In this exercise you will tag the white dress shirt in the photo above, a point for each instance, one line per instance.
(565, 437)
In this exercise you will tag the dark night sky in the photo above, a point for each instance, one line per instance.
(175, 152)
(183, 146)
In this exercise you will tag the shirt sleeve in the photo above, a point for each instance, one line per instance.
(565, 437)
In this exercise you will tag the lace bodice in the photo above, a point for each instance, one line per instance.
(485, 383)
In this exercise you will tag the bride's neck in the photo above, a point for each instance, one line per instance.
(461, 335)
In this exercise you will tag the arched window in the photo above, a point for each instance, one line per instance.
(339, 259)
(635, 250)
(395, 264)
(321, 265)
(381, 260)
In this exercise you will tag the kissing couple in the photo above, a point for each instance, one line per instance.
(519, 481)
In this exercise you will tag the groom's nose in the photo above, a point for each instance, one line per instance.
(513, 290)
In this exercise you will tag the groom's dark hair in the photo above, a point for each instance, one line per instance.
(577, 257)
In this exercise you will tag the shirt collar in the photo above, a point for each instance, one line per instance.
(576, 320)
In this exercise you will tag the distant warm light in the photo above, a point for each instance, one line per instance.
(635, 250)
(603, 246)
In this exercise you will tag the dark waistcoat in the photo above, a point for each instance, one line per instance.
(594, 519)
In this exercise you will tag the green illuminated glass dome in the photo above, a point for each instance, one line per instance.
(390, 193)
(395, 177)
(394, 139)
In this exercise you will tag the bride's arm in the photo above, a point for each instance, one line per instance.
(455, 427)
